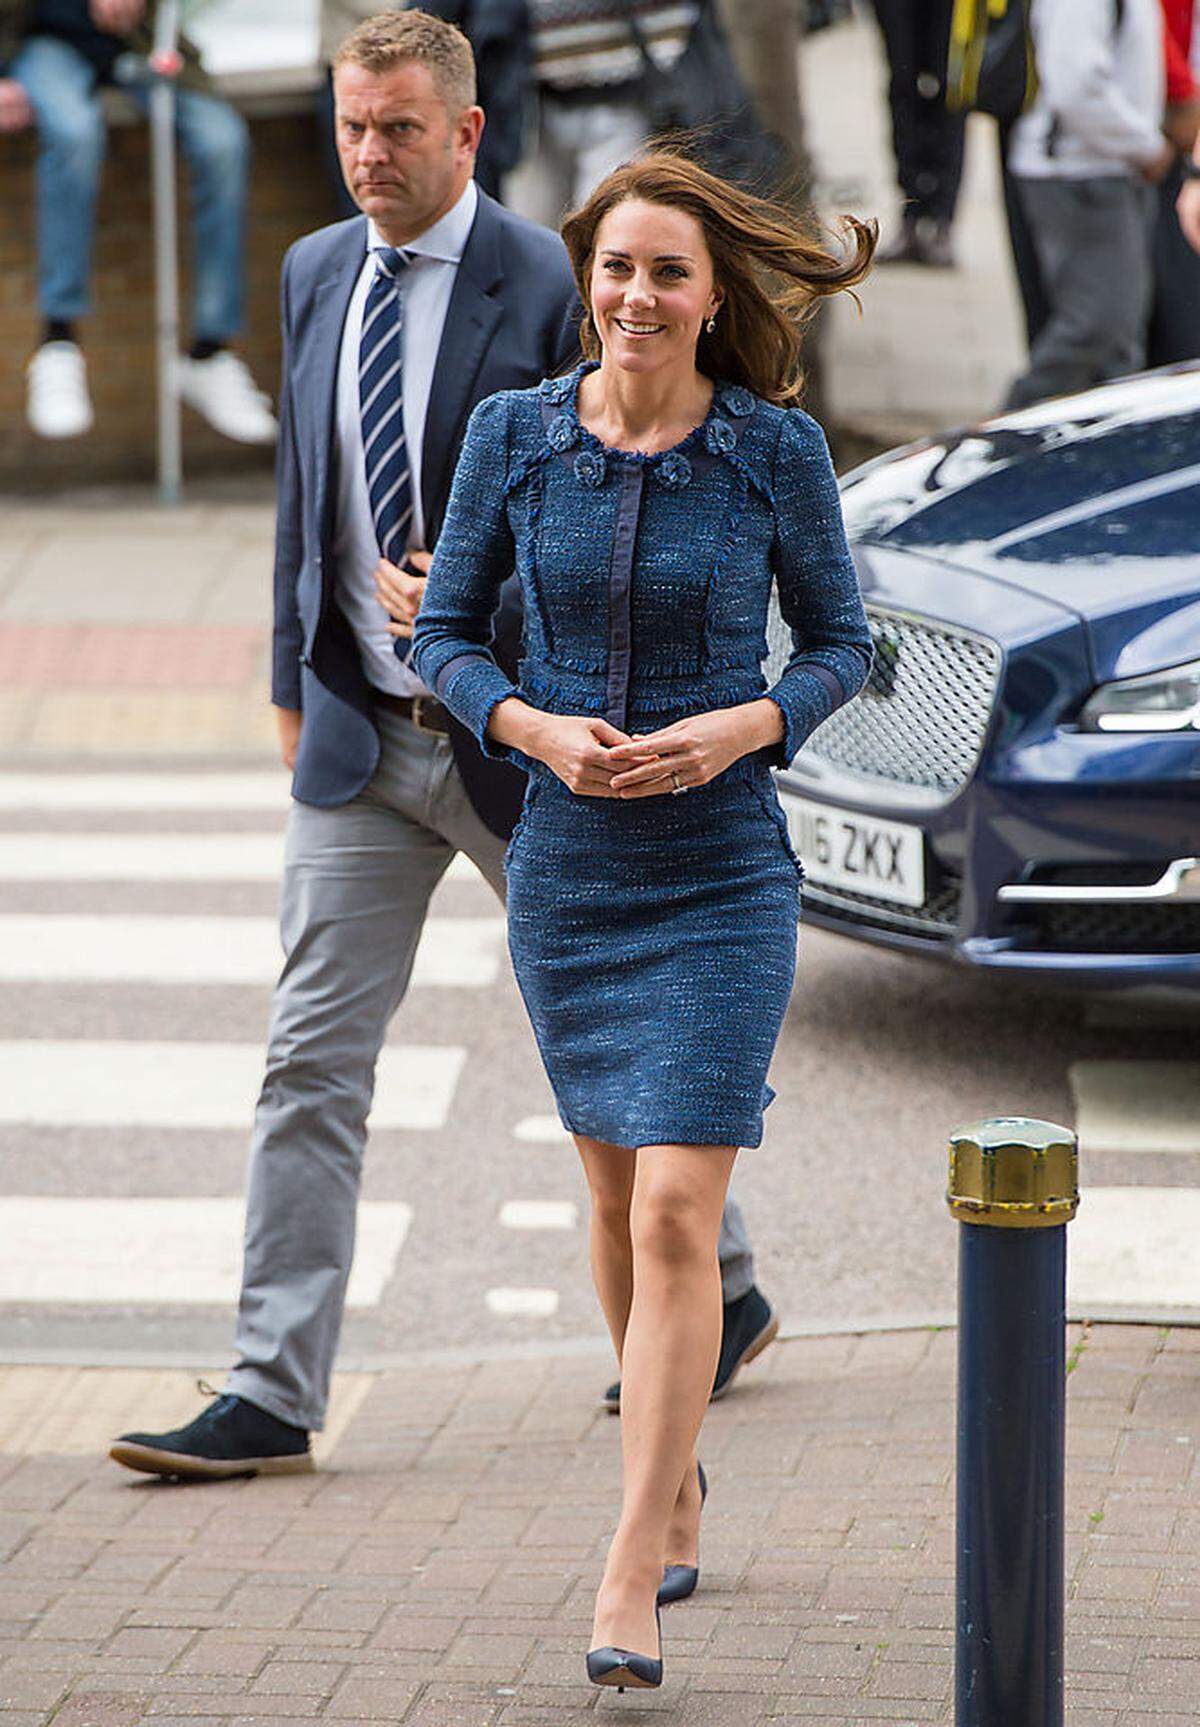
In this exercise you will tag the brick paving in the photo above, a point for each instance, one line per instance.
(438, 1571)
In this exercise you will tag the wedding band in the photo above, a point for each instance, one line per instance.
(677, 784)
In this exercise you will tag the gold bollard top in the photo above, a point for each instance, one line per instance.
(1014, 1173)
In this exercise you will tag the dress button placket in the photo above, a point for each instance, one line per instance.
(620, 584)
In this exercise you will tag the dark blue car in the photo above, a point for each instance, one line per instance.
(1018, 787)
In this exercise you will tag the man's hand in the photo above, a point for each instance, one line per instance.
(1156, 170)
(1182, 125)
(117, 17)
(289, 721)
(16, 110)
(1188, 207)
(400, 592)
(694, 751)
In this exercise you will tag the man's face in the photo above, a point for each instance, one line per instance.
(405, 158)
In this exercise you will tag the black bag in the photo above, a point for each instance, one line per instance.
(703, 102)
(991, 68)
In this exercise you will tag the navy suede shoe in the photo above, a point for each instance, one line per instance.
(750, 1323)
(230, 1438)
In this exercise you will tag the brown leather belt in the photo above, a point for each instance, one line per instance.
(426, 713)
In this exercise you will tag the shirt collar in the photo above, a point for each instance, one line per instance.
(447, 240)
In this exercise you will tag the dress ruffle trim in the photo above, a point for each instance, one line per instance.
(671, 468)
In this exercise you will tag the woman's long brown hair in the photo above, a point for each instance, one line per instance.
(772, 266)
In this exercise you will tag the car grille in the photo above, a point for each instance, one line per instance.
(1099, 928)
(923, 716)
(937, 916)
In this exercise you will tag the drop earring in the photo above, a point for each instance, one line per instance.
(711, 326)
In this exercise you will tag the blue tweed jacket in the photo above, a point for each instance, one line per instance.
(646, 579)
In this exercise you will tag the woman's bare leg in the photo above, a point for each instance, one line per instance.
(671, 1344)
(610, 1171)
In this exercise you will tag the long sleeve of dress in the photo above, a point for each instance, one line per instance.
(819, 594)
(475, 553)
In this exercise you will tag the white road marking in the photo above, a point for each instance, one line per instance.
(538, 1214)
(197, 1085)
(1134, 1247)
(70, 948)
(1137, 1105)
(141, 857)
(160, 1251)
(53, 857)
(107, 792)
(523, 1303)
(462, 869)
(542, 1130)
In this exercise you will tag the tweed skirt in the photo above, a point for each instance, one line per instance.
(654, 943)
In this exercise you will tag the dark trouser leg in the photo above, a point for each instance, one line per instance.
(1034, 303)
(1175, 314)
(926, 137)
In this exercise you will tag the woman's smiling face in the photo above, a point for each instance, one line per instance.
(652, 285)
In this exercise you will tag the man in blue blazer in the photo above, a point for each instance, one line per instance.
(396, 323)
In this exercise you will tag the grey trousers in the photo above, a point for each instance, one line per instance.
(356, 887)
(1093, 244)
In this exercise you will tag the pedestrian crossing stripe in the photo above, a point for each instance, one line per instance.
(186, 950)
(160, 857)
(197, 1085)
(1134, 1248)
(110, 792)
(52, 857)
(161, 1252)
(1137, 1106)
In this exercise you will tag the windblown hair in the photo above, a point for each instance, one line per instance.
(394, 38)
(772, 266)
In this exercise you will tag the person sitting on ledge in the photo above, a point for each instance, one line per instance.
(55, 55)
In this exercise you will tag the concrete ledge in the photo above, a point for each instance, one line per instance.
(258, 95)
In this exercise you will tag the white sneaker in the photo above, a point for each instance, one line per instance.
(57, 403)
(222, 390)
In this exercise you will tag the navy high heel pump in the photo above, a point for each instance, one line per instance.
(679, 1581)
(625, 1669)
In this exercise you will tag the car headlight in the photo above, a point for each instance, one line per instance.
(1162, 702)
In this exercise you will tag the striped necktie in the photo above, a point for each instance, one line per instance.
(381, 399)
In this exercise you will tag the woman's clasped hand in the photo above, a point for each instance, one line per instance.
(595, 759)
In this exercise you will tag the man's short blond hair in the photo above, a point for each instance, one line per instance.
(392, 39)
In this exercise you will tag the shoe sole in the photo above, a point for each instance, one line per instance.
(621, 1679)
(765, 1338)
(150, 1461)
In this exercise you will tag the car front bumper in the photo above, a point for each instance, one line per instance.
(1073, 858)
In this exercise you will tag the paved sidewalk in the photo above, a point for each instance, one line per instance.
(438, 1572)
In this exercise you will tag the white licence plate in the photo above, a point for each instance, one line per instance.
(840, 848)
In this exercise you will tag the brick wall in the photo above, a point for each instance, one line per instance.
(289, 196)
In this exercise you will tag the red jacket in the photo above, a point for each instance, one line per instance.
(1179, 16)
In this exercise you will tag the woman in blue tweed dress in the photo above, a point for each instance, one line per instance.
(647, 502)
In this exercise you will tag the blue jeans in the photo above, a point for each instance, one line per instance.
(216, 146)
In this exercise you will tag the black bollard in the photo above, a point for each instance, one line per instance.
(1014, 1188)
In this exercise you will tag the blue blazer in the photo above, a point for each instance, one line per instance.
(512, 319)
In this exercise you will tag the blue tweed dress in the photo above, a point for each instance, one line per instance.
(654, 939)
